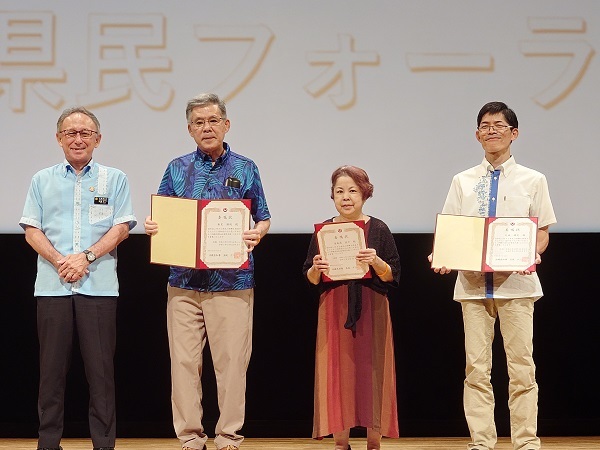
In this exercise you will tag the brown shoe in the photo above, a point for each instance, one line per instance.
(229, 447)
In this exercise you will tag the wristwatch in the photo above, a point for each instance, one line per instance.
(90, 256)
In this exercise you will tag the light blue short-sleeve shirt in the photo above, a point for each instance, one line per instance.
(74, 211)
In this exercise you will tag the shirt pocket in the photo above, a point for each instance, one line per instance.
(100, 214)
(232, 192)
(517, 205)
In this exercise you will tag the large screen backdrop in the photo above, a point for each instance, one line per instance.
(391, 86)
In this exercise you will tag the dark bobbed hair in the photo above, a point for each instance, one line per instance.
(205, 100)
(359, 176)
(77, 109)
(498, 108)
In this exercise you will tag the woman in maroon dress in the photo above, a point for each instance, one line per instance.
(355, 379)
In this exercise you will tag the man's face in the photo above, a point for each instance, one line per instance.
(78, 149)
(208, 129)
(493, 137)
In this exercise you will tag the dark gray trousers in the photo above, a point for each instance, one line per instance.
(94, 320)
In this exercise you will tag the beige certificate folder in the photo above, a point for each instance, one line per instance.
(175, 243)
(485, 244)
(198, 233)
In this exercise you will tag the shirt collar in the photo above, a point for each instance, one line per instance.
(505, 168)
(220, 160)
(87, 170)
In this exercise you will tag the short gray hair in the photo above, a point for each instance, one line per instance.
(205, 100)
(77, 109)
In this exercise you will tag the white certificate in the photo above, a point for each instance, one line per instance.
(222, 225)
(511, 244)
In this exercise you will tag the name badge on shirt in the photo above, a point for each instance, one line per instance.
(100, 200)
(233, 182)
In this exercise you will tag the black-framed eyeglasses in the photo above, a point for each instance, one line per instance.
(84, 134)
(499, 127)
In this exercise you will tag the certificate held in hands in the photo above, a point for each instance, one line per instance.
(200, 234)
(339, 243)
(485, 244)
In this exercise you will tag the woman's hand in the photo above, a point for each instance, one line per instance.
(367, 255)
(319, 264)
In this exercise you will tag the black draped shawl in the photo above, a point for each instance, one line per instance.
(379, 237)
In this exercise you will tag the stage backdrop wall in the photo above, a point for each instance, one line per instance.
(427, 331)
(393, 86)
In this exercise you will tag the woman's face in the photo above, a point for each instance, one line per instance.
(348, 198)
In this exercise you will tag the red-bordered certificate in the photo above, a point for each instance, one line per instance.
(339, 243)
(200, 234)
(485, 244)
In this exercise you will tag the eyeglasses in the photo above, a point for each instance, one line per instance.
(499, 127)
(72, 134)
(212, 122)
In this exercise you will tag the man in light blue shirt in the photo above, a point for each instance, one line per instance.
(75, 215)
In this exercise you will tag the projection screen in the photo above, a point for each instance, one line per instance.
(391, 86)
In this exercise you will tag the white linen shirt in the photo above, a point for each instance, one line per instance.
(74, 212)
(522, 192)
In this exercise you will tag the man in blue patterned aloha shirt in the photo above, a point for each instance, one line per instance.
(214, 304)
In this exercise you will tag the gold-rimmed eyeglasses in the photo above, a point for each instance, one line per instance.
(84, 134)
(212, 122)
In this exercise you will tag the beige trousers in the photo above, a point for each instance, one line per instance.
(225, 319)
(516, 326)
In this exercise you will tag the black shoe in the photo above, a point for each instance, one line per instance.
(50, 448)
(103, 448)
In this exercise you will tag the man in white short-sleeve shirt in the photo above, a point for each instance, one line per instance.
(499, 187)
